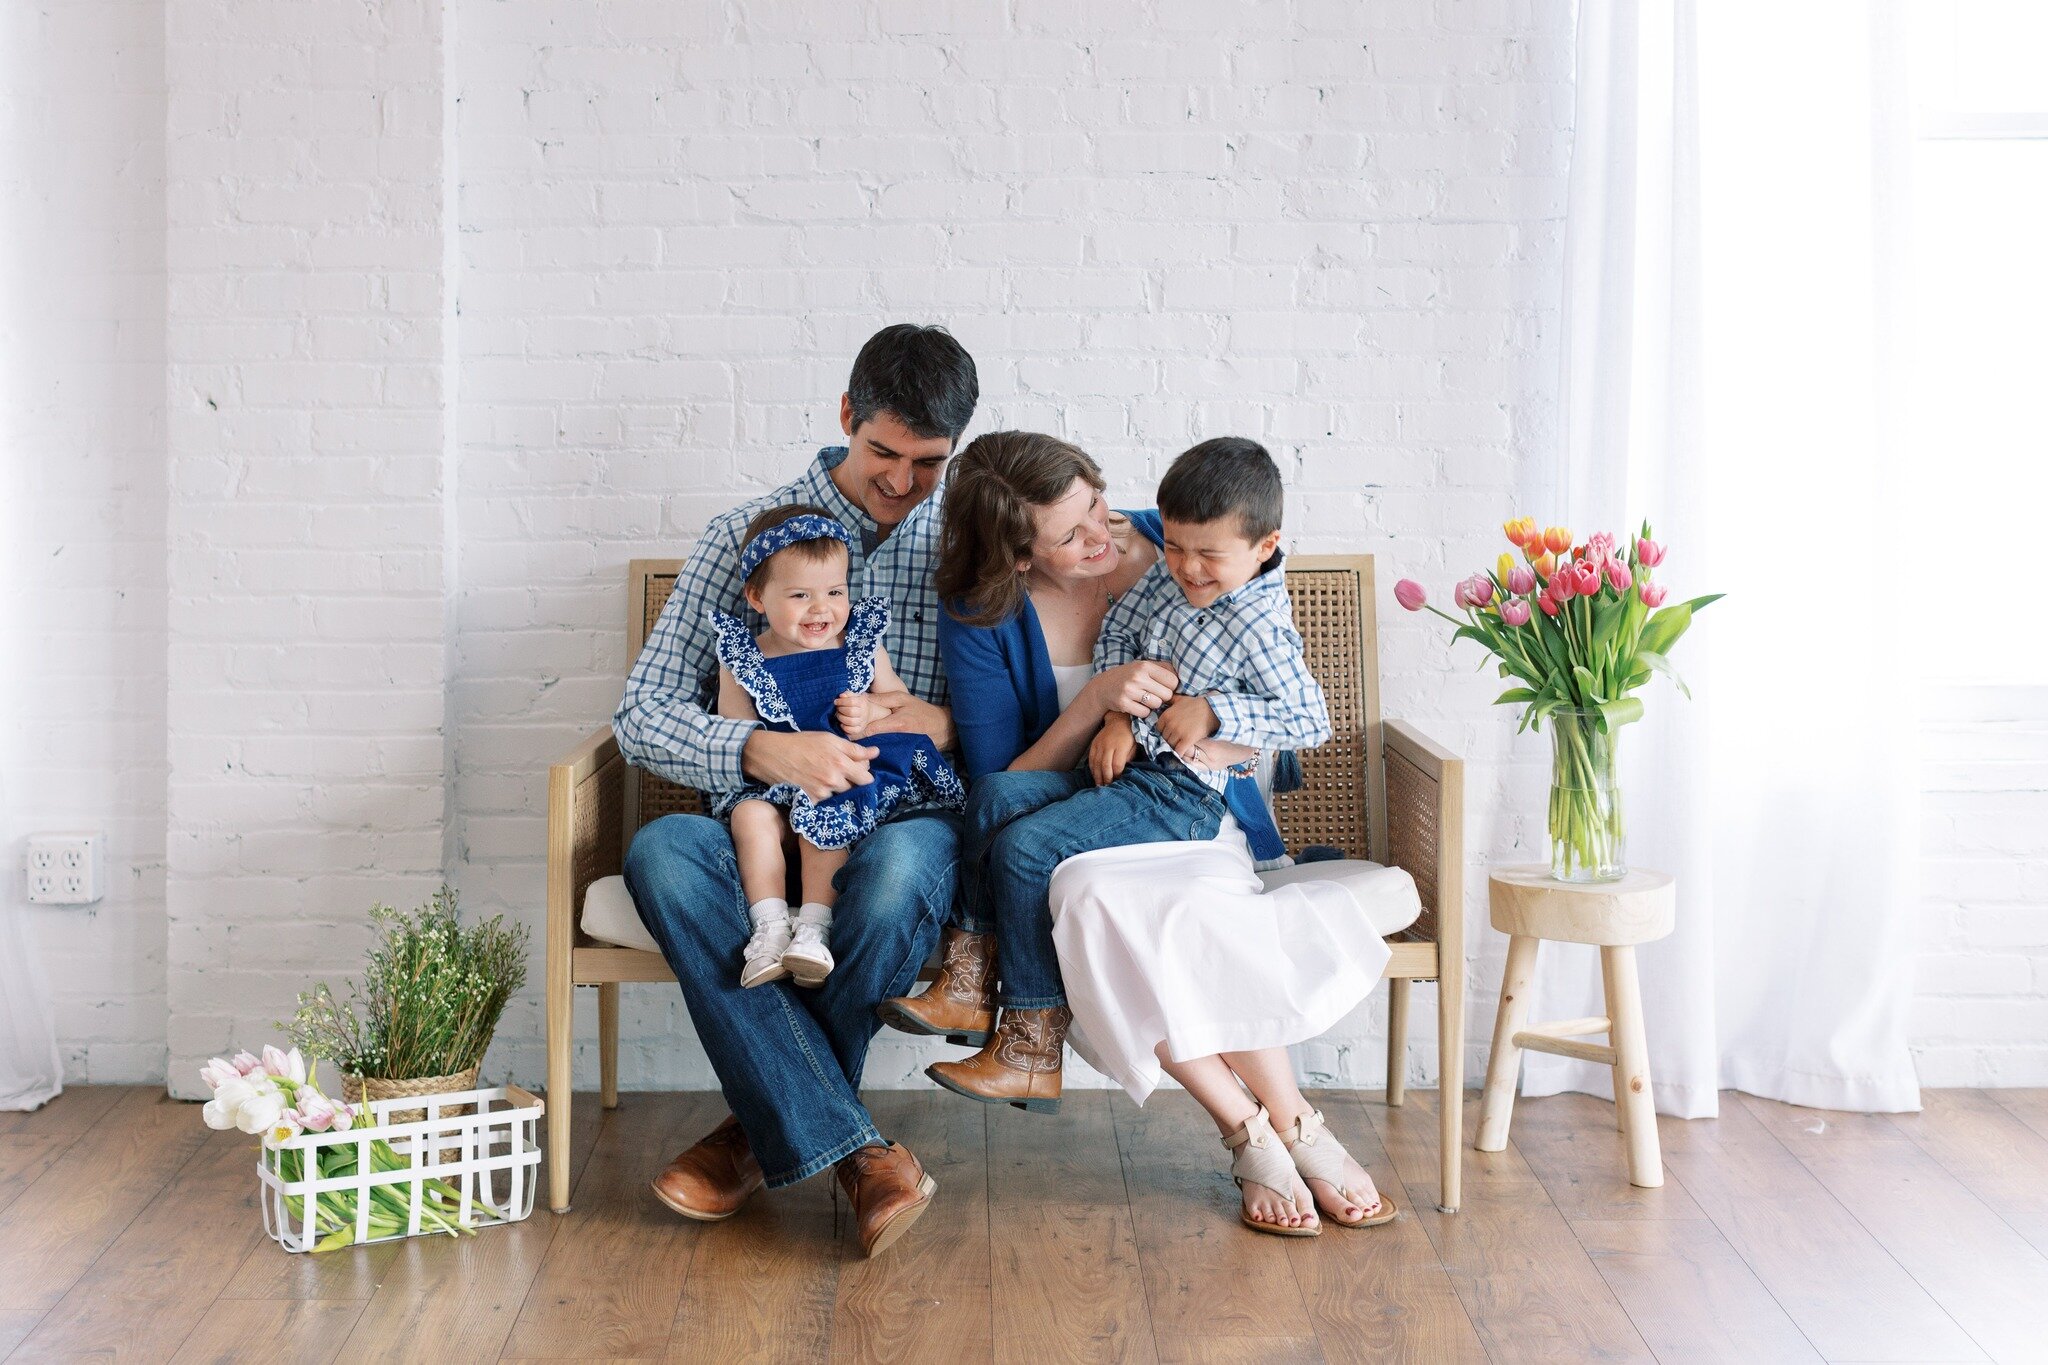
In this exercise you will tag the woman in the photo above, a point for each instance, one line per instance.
(1030, 561)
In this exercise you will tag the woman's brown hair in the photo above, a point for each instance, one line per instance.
(991, 491)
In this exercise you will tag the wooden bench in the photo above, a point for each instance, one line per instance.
(1377, 790)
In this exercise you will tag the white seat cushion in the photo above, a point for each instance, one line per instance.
(609, 916)
(1386, 894)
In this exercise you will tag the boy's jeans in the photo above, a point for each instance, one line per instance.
(1149, 803)
(789, 1059)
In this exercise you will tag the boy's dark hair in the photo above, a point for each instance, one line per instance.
(1228, 476)
(919, 373)
(804, 549)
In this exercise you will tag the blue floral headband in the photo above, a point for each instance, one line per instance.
(784, 534)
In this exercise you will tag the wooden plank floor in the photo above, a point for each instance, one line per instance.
(129, 1232)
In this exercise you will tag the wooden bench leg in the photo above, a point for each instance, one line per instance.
(608, 1042)
(1503, 1067)
(1632, 1067)
(561, 1074)
(1450, 1094)
(1397, 1040)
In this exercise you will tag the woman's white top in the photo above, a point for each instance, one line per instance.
(1069, 679)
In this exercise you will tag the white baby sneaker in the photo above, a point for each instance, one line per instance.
(807, 958)
(772, 930)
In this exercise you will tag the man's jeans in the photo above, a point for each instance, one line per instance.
(1149, 803)
(788, 1058)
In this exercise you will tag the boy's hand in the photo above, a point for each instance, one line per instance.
(1186, 723)
(1112, 751)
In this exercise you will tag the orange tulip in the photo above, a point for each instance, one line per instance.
(1521, 532)
(1545, 564)
(1557, 540)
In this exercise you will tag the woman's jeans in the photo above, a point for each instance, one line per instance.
(1022, 825)
(789, 1059)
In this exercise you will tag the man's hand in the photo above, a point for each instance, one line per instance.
(817, 763)
(1135, 689)
(1186, 723)
(1112, 750)
(899, 713)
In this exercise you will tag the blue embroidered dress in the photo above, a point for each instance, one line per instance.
(796, 692)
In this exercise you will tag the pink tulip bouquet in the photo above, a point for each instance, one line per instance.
(1580, 627)
(278, 1096)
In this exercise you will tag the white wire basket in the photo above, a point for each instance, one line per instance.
(452, 1169)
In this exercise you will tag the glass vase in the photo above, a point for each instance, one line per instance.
(1586, 843)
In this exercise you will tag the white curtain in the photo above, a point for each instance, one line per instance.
(1729, 282)
(31, 1072)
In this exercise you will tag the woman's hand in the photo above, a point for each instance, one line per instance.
(1135, 689)
(1211, 755)
(1112, 751)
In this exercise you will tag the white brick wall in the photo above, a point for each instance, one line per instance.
(308, 454)
(1330, 228)
(1981, 1016)
(667, 228)
(82, 506)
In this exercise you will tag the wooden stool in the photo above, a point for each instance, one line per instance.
(1529, 907)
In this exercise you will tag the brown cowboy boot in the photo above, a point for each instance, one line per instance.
(1020, 1065)
(711, 1180)
(888, 1189)
(958, 1004)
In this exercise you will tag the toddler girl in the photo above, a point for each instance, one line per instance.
(811, 669)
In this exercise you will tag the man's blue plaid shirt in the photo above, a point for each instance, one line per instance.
(1241, 653)
(666, 722)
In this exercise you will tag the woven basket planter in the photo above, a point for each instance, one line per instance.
(483, 1145)
(356, 1089)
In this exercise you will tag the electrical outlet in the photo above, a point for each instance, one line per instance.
(66, 869)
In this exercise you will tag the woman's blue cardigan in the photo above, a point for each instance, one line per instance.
(1004, 692)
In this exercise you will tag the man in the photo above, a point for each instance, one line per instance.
(789, 1059)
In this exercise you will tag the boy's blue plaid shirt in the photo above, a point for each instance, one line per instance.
(1241, 653)
(666, 723)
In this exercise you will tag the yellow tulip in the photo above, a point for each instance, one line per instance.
(1504, 566)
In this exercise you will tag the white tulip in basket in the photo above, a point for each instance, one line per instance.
(451, 1172)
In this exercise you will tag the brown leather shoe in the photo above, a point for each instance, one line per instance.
(1020, 1065)
(711, 1180)
(958, 1003)
(888, 1189)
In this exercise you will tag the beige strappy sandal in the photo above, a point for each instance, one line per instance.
(1319, 1156)
(1259, 1158)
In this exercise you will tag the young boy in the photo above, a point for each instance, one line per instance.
(1216, 608)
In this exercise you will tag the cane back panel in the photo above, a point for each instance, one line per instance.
(1333, 612)
(659, 796)
(1332, 609)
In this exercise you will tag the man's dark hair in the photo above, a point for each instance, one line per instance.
(1227, 477)
(919, 373)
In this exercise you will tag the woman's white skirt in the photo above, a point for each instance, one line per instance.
(1181, 943)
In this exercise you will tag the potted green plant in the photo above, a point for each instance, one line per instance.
(423, 1015)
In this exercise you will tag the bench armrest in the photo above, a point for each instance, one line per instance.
(586, 830)
(1426, 831)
